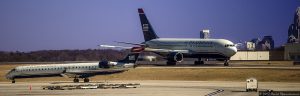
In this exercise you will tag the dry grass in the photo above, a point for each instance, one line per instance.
(193, 74)
(276, 75)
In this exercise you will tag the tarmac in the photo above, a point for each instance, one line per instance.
(148, 88)
(164, 87)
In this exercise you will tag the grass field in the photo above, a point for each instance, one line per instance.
(193, 74)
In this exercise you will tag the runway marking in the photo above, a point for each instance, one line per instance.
(215, 92)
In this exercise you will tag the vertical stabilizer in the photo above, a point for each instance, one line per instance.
(148, 31)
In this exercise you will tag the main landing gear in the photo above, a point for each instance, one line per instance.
(199, 62)
(86, 80)
(76, 80)
(13, 81)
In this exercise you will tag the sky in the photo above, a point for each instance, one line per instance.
(31, 25)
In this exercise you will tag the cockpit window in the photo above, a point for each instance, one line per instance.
(12, 70)
(229, 45)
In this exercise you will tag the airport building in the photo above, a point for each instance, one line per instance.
(292, 51)
(273, 55)
(251, 55)
(204, 34)
(250, 46)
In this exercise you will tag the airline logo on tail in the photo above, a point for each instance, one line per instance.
(148, 31)
(145, 27)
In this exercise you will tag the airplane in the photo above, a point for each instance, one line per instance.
(175, 49)
(79, 70)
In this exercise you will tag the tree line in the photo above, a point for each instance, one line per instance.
(62, 55)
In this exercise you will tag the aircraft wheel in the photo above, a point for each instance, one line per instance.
(170, 63)
(76, 80)
(86, 80)
(226, 63)
(13, 81)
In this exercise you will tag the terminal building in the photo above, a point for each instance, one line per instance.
(251, 55)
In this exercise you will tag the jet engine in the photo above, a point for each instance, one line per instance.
(175, 57)
(104, 64)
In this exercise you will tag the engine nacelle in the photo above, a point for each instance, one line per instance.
(175, 57)
(104, 64)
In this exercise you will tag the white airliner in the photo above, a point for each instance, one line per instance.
(79, 70)
(174, 49)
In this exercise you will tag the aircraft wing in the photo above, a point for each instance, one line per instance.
(111, 46)
(148, 49)
(166, 50)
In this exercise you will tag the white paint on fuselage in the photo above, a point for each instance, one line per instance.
(49, 69)
(58, 69)
(194, 45)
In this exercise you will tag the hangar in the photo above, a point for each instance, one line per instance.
(251, 55)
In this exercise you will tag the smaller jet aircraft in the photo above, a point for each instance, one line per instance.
(79, 70)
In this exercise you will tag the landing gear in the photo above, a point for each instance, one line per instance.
(226, 63)
(170, 63)
(76, 80)
(86, 80)
(199, 62)
(13, 81)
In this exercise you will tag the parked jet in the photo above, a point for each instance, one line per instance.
(79, 70)
(174, 49)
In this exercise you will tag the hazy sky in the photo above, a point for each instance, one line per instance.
(29, 25)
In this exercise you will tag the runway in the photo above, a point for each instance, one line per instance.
(150, 88)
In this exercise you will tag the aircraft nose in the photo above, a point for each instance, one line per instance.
(233, 50)
(9, 76)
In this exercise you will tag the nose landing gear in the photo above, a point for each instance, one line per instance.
(226, 63)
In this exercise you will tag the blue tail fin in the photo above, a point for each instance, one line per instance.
(148, 31)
